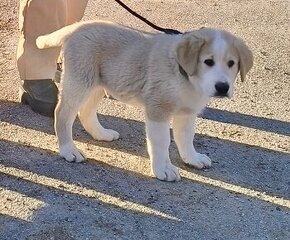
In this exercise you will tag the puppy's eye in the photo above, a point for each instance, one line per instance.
(231, 63)
(209, 62)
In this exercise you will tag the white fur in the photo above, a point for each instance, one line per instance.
(89, 118)
(165, 74)
(219, 45)
(183, 129)
(158, 140)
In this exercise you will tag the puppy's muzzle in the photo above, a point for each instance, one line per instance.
(222, 89)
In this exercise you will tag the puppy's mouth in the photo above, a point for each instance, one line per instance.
(221, 95)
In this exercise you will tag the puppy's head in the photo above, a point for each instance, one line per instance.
(211, 59)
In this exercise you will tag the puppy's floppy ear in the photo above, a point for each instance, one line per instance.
(245, 58)
(187, 52)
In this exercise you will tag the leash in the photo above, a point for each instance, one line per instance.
(165, 30)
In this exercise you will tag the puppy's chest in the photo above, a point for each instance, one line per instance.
(191, 105)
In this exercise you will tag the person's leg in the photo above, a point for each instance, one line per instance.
(37, 67)
(75, 10)
(38, 18)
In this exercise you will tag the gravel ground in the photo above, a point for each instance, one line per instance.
(245, 195)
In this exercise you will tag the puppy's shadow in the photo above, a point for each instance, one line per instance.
(132, 135)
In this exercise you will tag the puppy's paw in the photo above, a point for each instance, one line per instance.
(198, 161)
(107, 135)
(71, 154)
(166, 172)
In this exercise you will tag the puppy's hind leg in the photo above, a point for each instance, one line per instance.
(89, 118)
(70, 99)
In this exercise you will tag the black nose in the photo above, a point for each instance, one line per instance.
(222, 89)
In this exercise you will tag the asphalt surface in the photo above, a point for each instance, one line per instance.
(245, 195)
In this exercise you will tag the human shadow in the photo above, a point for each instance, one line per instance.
(242, 164)
(246, 120)
(102, 196)
(7, 229)
(81, 189)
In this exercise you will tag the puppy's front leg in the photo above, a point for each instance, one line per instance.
(183, 130)
(158, 140)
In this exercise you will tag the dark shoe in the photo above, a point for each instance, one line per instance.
(40, 95)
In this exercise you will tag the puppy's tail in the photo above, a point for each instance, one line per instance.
(57, 38)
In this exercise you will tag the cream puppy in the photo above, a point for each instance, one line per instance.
(170, 76)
